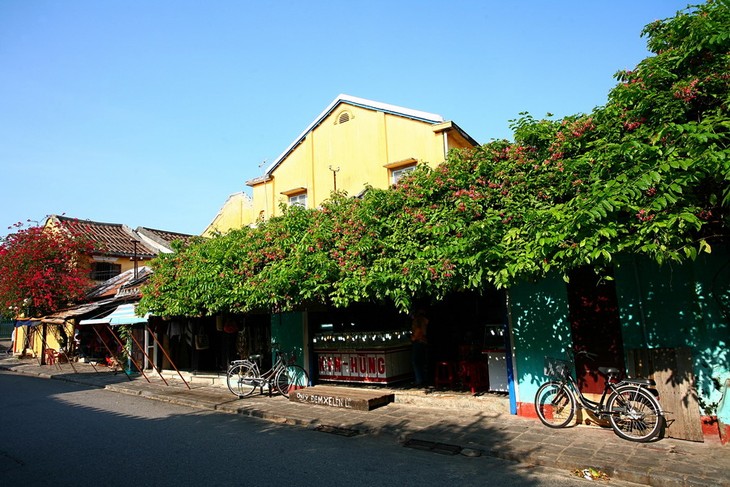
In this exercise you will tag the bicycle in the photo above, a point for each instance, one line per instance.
(628, 404)
(245, 376)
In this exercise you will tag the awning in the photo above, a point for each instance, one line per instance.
(123, 315)
(60, 317)
(28, 322)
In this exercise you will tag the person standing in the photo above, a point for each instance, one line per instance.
(419, 333)
(11, 351)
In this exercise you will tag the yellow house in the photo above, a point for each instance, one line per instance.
(118, 247)
(237, 212)
(118, 259)
(353, 143)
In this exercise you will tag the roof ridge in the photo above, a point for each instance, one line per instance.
(164, 231)
(352, 100)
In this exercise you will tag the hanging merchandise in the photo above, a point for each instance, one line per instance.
(201, 340)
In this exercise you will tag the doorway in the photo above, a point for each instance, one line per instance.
(595, 326)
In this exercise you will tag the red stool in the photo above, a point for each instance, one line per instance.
(50, 356)
(474, 376)
(444, 375)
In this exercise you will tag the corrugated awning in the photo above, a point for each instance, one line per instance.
(123, 315)
(28, 322)
(61, 316)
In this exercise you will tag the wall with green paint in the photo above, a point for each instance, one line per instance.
(676, 306)
(289, 333)
(539, 328)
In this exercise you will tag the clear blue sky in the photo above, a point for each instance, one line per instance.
(151, 113)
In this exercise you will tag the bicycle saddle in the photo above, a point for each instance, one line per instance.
(255, 357)
(609, 371)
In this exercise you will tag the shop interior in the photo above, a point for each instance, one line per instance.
(466, 333)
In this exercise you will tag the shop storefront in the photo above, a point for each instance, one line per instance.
(366, 356)
(370, 344)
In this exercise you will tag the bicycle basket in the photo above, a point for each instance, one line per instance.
(556, 368)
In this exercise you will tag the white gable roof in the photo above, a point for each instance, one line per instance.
(360, 102)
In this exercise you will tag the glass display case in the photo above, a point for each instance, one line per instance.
(381, 357)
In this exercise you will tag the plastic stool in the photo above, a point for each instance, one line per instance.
(444, 375)
(474, 376)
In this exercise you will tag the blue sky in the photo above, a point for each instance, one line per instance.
(151, 113)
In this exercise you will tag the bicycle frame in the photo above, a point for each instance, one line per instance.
(584, 402)
(265, 378)
(599, 408)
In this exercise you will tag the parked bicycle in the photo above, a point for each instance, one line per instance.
(629, 404)
(244, 376)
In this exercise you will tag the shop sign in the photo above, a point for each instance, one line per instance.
(324, 400)
(363, 366)
(352, 365)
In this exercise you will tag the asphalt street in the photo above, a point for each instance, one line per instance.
(67, 434)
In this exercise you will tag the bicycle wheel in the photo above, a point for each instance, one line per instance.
(290, 378)
(555, 404)
(241, 379)
(634, 414)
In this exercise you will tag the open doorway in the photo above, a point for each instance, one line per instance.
(595, 325)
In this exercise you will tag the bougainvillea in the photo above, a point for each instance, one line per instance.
(645, 174)
(42, 269)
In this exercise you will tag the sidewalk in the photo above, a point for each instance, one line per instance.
(433, 422)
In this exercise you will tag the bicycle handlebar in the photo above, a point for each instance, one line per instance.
(592, 356)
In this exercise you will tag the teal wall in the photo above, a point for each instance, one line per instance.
(288, 331)
(539, 328)
(679, 306)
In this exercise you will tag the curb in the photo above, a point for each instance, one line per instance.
(520, 445)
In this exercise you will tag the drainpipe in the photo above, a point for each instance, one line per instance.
(510, 357)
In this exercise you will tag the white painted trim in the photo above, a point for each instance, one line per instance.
(374, 105)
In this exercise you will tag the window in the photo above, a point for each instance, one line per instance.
(298, 199)
(296, 196)
(396, 174)
(101, 271)
(398, 169)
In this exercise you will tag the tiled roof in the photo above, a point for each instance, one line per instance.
(111, 238)
(114, 286)
(164, 237)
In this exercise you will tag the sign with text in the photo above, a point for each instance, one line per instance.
(375, 365)
(342, 397)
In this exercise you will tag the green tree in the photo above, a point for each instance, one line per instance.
(645, 174)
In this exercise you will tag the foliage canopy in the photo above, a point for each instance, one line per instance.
(645, 174)
(42, 270)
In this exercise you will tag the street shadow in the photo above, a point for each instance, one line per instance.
(78, 435)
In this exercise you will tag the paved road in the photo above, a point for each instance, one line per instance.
(64, 434)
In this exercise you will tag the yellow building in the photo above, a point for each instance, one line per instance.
(237, 212)
(118, 248)
(353, 143)
(117, 260)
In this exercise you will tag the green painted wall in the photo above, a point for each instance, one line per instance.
(679, 306)
(539, 328)
(288, 331)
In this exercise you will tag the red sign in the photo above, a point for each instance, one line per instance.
(364, 365)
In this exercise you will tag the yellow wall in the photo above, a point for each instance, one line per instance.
(36, 345)
(237, 212)
(126, 263)
(360, 148)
